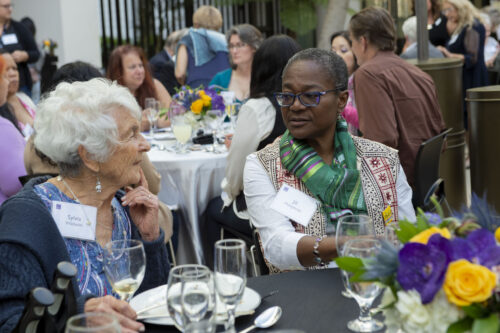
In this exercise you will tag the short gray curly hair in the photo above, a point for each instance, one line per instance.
(77, 114)
(333, 64)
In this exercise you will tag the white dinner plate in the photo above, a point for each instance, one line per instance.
(250, 301)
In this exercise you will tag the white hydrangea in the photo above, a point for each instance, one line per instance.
(410, 315)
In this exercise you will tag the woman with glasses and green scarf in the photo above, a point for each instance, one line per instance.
(317, 161)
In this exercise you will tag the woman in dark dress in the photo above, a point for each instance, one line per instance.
(466, 43)
(436, 23)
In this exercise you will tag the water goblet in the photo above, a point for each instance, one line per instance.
(174, 292)
(152, 110)
(125, 266)
(92, 322)
(363, 292)
(230, 275)
(198, 300)
(351, 227)
(214, 120)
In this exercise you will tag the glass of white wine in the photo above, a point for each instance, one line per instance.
(181, 127)
(174, 291)
(363, 292)
(125, 266)
(93, 322)
(230, 275)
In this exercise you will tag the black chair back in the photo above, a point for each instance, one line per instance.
(258, 254)
(37, 302)
(427, 169)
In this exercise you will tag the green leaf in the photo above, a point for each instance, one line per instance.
(350, 264)
(463, 325)
(422, 222)
(298, 15)
(486, 325)
(406, 231)
(475, 311)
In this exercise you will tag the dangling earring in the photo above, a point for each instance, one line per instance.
(98, 187)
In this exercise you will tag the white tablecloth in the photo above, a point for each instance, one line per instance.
(190, 181)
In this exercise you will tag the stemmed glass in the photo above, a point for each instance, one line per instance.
(198, 300)
(181, 126)
(363, 292)
(230, 275)
(175, 289)
(125, 266)
(152, 110)
(214, 120)
(352, 227)
(92, 322)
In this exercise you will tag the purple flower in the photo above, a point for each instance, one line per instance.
(479, 247)
(217, 100)
(433, 218)
(423, 267)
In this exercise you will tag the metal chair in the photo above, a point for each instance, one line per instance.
(427, 181)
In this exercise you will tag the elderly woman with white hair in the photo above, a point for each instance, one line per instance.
(92, 131)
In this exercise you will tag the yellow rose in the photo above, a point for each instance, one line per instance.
(201, 93)
(497, 234)
(197, 106)
(467, 283)
(424, 236)
(207, 100)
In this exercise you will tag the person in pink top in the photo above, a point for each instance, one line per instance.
(11, 146)
(11, 151)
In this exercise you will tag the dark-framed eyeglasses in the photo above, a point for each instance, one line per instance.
(310, 98)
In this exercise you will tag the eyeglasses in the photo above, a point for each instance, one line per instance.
(236, 46)
(310, 98)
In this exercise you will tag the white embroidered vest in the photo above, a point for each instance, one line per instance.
(379, 166)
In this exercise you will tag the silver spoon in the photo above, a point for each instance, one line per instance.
(266, 319)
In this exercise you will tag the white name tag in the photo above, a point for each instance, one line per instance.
(296, 205)
(9, 39)
(75, 220)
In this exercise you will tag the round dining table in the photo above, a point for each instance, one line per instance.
(188, 182)
(311, 302)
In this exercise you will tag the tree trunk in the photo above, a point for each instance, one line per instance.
(333, 20)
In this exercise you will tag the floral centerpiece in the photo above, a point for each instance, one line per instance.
(198, 100)
(444, 278)
(49, 46)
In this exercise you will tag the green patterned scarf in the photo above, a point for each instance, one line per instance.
(338, 187)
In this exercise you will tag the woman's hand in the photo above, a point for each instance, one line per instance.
(120, 309)
(143, 207)
(448, 54)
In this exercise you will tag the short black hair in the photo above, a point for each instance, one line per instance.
(333, 65)
(268, 64)
(77, 71)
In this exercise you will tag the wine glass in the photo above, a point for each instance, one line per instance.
(214, 119)
(181, 126)
(363, 292)
(174, 292)
(152, 110)
(230, 275)
(198, 300)
(125, 266)
(352, 227)
(93, 322)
